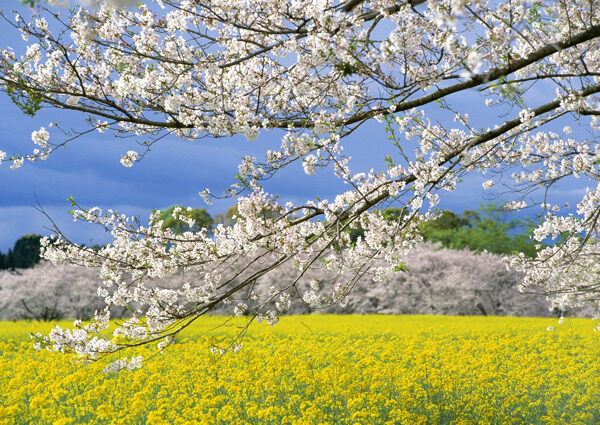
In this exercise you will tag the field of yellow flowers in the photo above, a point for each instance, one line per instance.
(321, 370)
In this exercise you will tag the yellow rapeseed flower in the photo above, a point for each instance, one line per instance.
(320, 370)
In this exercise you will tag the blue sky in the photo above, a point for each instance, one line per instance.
(172, 173)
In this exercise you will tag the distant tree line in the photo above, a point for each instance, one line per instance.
(491, 228)
(487, 229)
(25, 253)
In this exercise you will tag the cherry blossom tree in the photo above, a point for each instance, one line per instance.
(49, 292)
(315, 71)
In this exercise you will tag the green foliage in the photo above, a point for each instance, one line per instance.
(355, 232)
(230, 217)
(25, 254)
(227, 219)
(179, 226)
(346, 69)
(488, 229)
(447, 220)
(394, 213)
(400, 268)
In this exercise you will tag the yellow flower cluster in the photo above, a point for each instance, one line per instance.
(321, 370)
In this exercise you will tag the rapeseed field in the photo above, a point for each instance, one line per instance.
(321, 370)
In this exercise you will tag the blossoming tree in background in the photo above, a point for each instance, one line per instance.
(316, 71)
